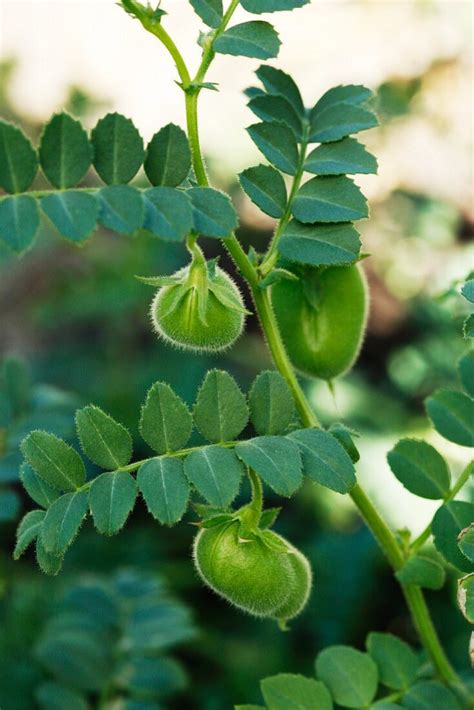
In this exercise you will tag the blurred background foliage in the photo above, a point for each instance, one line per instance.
(78, 320)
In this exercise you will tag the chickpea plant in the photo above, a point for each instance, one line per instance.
(311, 298)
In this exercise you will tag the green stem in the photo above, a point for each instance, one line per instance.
(257, 493)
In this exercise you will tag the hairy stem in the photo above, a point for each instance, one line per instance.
(257, 494)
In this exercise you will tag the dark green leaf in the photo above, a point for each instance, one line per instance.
(266, 188)
(168, 157)
(52, 696)
(346, 156)
(350, 675)
(289, 691)
(165, 422)
(320, 244)
(249, 39)
(168, 213)
(118, 149)
(55, 461)
(28, 530)
(106, 442)
(325, 460)
(424, 570)
(429, 694)
(213, 212)
(466, 597)
(276, 108)
(62, 522)
(74, 213)
(121, 208)
(344, 435)
(216, 474)
(164, 488)
(468, 290)
(277, 461)
(420, 468)
(452, 414)
(259, 6)
(19, 222)
(466, 371)
(18, 159)
(329, 199)
(41, 492)
(150, 678)
(339, 112)
(277, 142)
(111, 499)
(277, 83)
(466, 542)
(65, 152)
(272, 406)
(210, 11)
(221, 411)
(47, 562)
(397, 662)
(448, 522)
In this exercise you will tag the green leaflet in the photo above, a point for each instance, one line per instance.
(62, 522)
(213, 212)
(106, 442)
(466, 542)
(121, 208)
(468, 290)
(424, 569)
(277, 142)
(272, 406)
(165, 489)
(344, 435)
(19, 222)
(165, 422)
(249, 39)
(112, 499)
(466, 372)
(277, 108)
(266, 188)
(52, 696)
(452, 414)
(154, 677)
(168, 213)
(55, 461)
(41, 492)
(28, 530)
(320, 244)
(289, 691)
(168, 157)
(429, 694)
(220, 412)
(346, 156)
(278, 83)
(397, 663)
(448, 522)
(216, 473)
(329, 199)
(468, 327)
(118, 149)
(259, 6)
(47, 562)
(420, 468)
(18, 159)
(74, 213)
(65, 152)
(350, 675)
(210, 11)
(340, 112)
(277, 461)
(325, 460)
(466, 597)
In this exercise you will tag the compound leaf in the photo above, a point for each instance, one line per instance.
(106, 442)
(340, 112)
(168, 157)
(168, 213)
(452, 414)
(329, 199)
(420, 468)
(165, 489)
(266, 188)
(19, 221)
(62, 522)
(213, 212)
(28, 530)
(320, 244)
(448, 522)
(210, 11)
(277, 461)
(121, 208)
(216, 473)
(346, 156)
(272, 406)
(55, 461)
(221, 411)
(65, 152)
(41, 492)
(118, 149)
(397, 663)
(325, 460)
(289, 691)
(350, 675)
(277, 142)
(73, 213)
(18, 159)
(165, 422)
(249, 39)
(111, 499)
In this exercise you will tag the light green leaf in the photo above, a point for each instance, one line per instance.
(466, 371)
(168, 213)
(329, 199)
(18, 159)
(278, 83)
(112, 499)
(19, 222)
(259, 6)
(452, 414)
(266, 188)
(28, 530)
(168, 157)
(346, 156)
(420, 468)
(118, 149)
(165, 422)
(277, 108)
(106, 442)
(47, 562)
(277, 461)
(448, 522)
(320, 244)
(277, 142)
(289, 691)
(466, 542)
(249, 39)
(65, 152)
(429, 694)
(325, 460)
(52, 696)
(41, 492)
(466, 597)
(350, 675)
(121, 208)
(73, 213)
(424, 570)
(55, 461)
(220, 412)
(62, 522)
(210, 11)
(397, 663)
(216, 474)
(272, 406)
(164, 488)
(213, 212)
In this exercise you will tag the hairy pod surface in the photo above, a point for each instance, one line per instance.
(207, 319)
(322, 318)
(300, 589)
